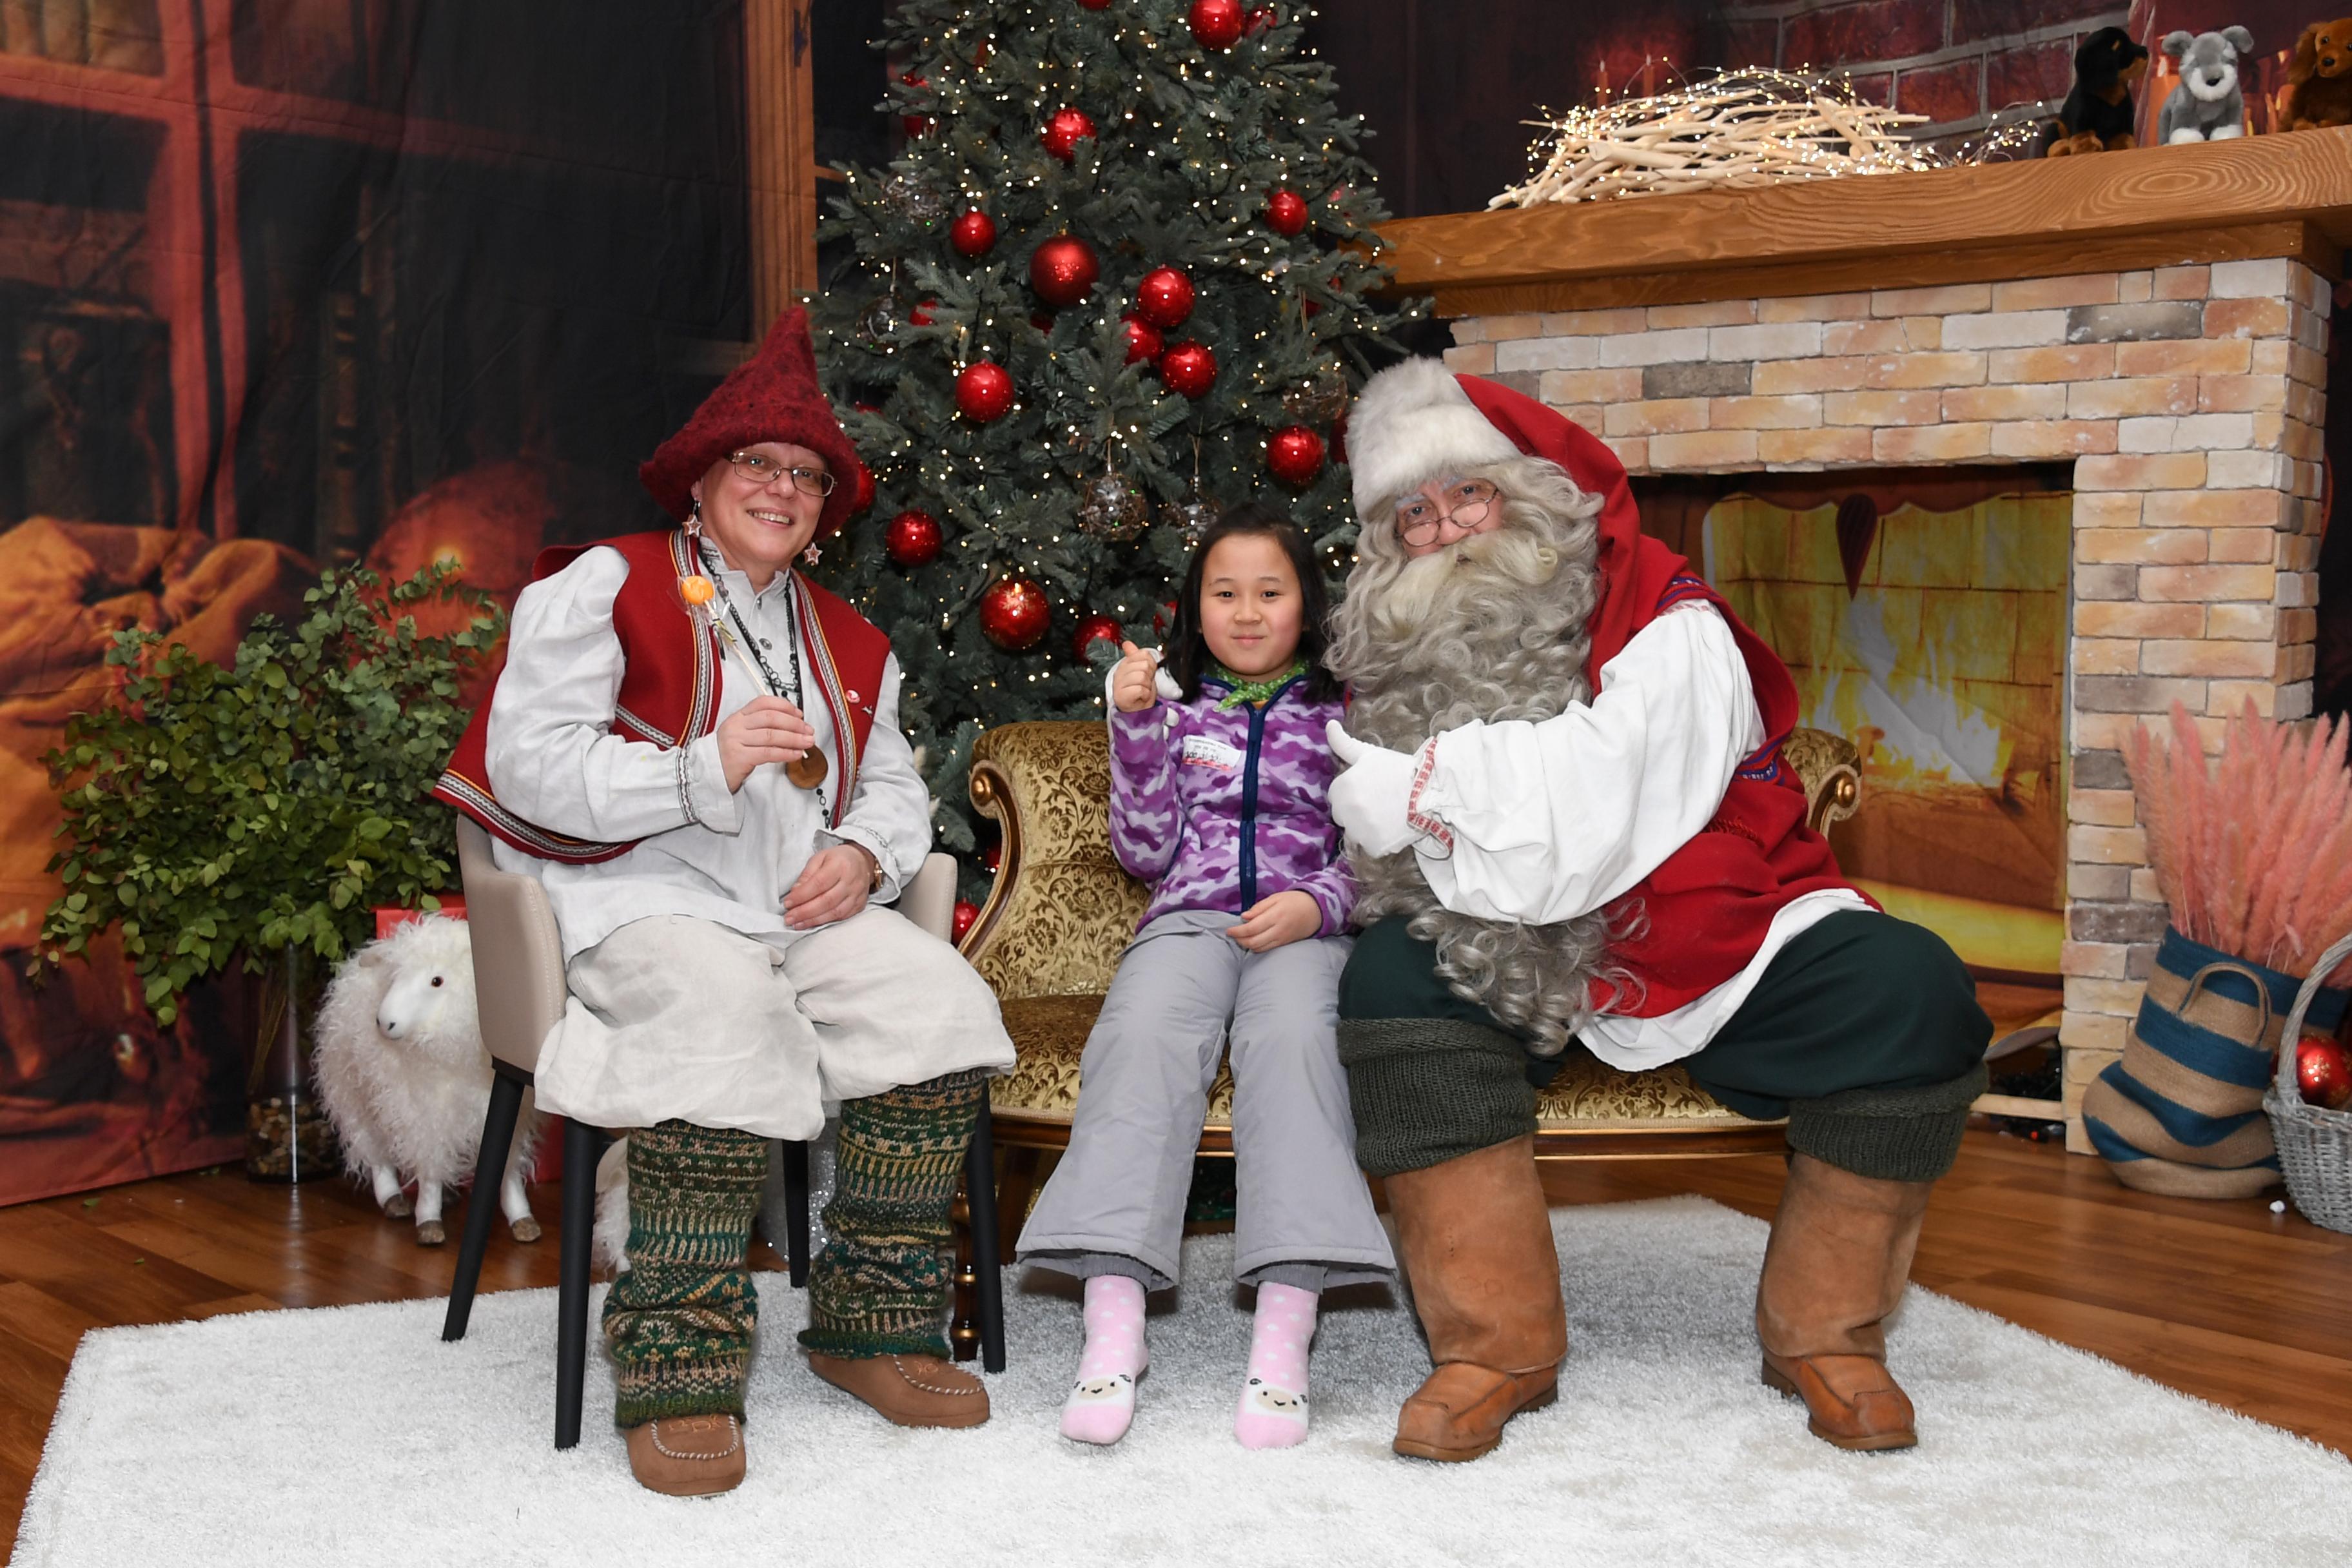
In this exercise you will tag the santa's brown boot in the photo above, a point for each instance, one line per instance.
(1837, 1263)
(1476, 1241)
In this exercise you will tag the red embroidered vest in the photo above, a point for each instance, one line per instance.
(670, 683)
(1706, 909)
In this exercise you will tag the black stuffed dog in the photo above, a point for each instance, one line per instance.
(2098, 116)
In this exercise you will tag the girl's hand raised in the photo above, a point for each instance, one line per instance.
(1272, 922)
(1131, 684)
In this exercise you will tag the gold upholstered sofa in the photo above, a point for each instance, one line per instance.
(1062, 909)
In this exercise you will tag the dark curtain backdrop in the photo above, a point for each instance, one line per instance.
(288, 283)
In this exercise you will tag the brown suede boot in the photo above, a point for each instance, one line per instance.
(1476, 1241)
(908, 1390)
(687, 1456)
(1837, 1263)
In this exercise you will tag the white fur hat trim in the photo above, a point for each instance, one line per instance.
(1412, 423)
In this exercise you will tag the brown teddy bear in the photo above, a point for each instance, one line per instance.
(2319, 78)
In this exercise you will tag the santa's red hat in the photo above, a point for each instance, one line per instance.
(772, 396)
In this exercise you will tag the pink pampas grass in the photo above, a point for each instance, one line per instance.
(2253, 851)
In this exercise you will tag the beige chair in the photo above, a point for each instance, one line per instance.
(1063, 908)
(520, 996)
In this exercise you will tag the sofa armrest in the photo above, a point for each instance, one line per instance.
(518, 989)
(928, 899)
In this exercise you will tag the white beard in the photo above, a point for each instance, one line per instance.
(1491, 629)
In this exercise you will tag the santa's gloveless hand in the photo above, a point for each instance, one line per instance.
(1369, 797)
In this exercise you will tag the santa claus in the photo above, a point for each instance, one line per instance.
(1568, 811)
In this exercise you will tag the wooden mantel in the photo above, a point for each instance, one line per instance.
(2154, 206)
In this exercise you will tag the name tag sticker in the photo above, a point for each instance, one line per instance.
(1205, 751)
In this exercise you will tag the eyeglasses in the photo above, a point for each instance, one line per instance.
(1464, 506)
(763, 470)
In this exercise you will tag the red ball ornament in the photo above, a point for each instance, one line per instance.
(993, 857)
(1063, 270)
(966, 911)
(1013, 612)
(1064, 131)
(912, 539)
(921, 316)
(1094, 628)
(1216, 24)
(1294, 454)
(916, 125)
(972, 234)
(1260, 19)
(2322, 1071)
(1285, 211)
(1188, 368)
(983, 392)
(1095, 4)
(861, 489)
(1143, 338)
(1165, 297)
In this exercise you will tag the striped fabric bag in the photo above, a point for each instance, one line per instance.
(2181, 1111)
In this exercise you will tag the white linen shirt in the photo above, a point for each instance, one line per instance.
(729, 858)
(1552, 819)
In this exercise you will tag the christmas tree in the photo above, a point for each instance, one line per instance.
(1115, 282)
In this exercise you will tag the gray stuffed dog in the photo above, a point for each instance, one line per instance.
(2208, 105)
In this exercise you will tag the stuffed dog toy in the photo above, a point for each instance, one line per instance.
(2098, 114)
(2207, 105)
(2319, 78)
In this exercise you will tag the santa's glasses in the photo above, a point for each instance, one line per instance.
(763, 470)
(1464, 504)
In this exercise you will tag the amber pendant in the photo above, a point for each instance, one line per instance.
(808, 771)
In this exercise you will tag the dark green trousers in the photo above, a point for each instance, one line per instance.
(1865, 1032)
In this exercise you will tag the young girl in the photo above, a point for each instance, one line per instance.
(1220, 777)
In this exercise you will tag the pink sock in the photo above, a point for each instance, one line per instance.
(1273, 1410)
(1102, 1403)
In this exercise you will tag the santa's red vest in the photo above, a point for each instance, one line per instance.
(670, 683)
(1704, 913)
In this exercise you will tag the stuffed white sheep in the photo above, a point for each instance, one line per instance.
(406, 1080)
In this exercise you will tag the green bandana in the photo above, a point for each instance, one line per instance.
(1254, 692)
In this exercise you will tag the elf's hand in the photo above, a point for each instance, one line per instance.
(832, 887)
(1273, 921)
(1369, 797)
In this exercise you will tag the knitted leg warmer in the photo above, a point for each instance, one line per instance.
(1888, 1134)
(880, 1286)
(679, 1322)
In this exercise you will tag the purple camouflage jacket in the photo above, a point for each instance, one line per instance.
(1218, 810)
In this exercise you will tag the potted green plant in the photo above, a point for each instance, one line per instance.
(255, 815)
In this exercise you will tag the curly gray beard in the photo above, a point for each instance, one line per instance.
(1492, 627)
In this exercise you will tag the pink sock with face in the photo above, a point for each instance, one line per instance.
(1273, 1409)
(1101, 1404)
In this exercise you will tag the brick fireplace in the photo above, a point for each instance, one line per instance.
(1814, 329)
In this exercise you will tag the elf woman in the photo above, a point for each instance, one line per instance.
(1220, 774)
(697, 752)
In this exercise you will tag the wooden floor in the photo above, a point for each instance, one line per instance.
(2227, 1301)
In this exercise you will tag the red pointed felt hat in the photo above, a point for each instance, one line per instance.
(772, 396)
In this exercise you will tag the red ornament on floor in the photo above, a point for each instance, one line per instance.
(1063, 270)
(1189, 368)
(1216, 24)
(973, 234)
(1014, 614)
(916, 125)
(1065, 128)
(1143, 338)
(1295, 455)
(912, 539)
(966, 911)
(1094, 628)
(2322, 1071)
(1165, 297)
(1285, 211)
(983, 392)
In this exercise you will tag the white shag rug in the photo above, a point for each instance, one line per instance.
(354, 1435)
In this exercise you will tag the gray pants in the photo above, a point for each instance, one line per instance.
(1185, 991)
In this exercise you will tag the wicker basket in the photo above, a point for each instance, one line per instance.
(2315, 1144)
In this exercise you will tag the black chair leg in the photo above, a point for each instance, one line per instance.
(796, 1212)
(489, 1165)
(583, 1146)
(988, 1278)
